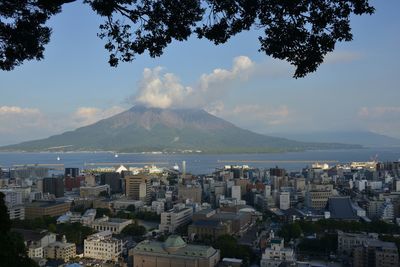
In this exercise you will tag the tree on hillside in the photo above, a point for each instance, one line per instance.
(12, 247)
(301, 32)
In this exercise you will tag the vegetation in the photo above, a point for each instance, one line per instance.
(300, 32)
(296, 229)
(134, 230)
(100, 212)
(231, 249)
(12, 248)
(74, 232)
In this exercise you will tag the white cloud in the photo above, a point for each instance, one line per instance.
(381, 119)
(19, 123)
(161, 90)
(379, 112)
(14, 118)
(254, 116)
(165, 90)
(88, 115)
(342, 57)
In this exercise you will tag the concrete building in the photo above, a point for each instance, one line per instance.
(102, 246)
(236, 192)
(190, 192)
(54, 186)
(284, 200)
(93, 191)
(35, 241)
(173, 252)
(376, 253)
(204, 229)
(13, 200)
(172, 219)
(347, 241)
(138, 187)
(43, 208)
(317, 196)
(276, 254)
(113, 179)
(60, 250)
(115, 225)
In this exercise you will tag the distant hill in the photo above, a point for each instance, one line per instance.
(364, 138)
(142, 129)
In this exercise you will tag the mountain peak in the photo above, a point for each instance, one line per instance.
(142, 129)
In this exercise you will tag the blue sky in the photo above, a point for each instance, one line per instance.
(356, 89)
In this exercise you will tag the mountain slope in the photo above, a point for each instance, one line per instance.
(142, 129)
(364, 138)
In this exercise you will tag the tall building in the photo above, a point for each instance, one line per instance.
(113, 179)
(71, 172)
(173, 252)
(54, 186)
(236, 192)
(138, 187)
(284, 200)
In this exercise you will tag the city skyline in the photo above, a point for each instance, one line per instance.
(355, 89)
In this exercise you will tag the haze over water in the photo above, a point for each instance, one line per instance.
(204, 163)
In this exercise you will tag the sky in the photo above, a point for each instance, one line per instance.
(356, 88)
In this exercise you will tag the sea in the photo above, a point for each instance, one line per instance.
(197, 163)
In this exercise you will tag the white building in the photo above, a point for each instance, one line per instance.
(284, 200)
(158, 206)
(386, 211)
(172, 219)
(115, 225)
(236, 193)
(267, 190)
(102, 246)
(60, 250)
(276, 253)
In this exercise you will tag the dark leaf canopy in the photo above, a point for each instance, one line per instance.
(301, 32)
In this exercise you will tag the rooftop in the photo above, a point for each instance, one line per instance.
(179, 248)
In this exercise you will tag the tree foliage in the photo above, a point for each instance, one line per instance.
(299, 31)
(12, 247)
(133, 229)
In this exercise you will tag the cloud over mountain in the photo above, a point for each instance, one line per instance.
(161, 89)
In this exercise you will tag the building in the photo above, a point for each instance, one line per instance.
(236, 192)
(376, 253)
(173, 252)
(114, 225)
(341, 208)
(172, 219)
(276, 254)
(43, 208)
(71, 172)
(54, 186)
(208, 229)
(347, 241)
(60, 250)
(284, 200)
(192, 192)
(13, 200)
(138, 187)
(317, 196)
(93, 191)
(73, 182)
(35, 241)
(113, 179)
(102, 246)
